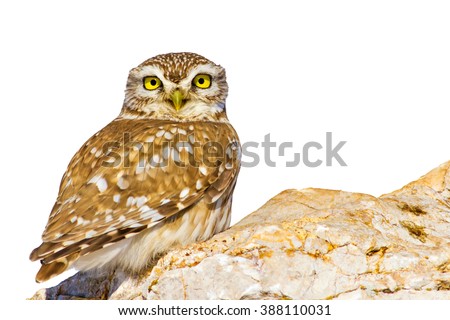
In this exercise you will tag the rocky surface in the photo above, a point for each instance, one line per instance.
(307, 244)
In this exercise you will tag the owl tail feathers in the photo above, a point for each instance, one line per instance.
(56, 267)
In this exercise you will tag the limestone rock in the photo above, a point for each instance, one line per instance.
(307, 244)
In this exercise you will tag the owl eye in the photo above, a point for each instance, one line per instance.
(202, 81)
(152, 83)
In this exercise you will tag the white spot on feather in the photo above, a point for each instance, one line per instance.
(202, 170)
(116, 198)
(148, 213)
(122, 183)
(90, 234)
(160, 133)
(129, 235)
(110, 160)
(70, 200)
(156, 159)
(216, 197)
(184, 192)
(110, 228)
(175, 155)
(168, 135)
(140, 167)
(140, 201)
(101, 183)
(132, 224)
(130, 201)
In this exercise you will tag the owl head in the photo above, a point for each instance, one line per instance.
(176, 86)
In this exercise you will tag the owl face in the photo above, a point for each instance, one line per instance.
(176, 86)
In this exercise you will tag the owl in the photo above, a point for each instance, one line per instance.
(160, 175)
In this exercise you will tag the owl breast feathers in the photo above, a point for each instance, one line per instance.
(160, 175)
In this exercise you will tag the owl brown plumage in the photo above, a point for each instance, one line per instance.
(161, 174)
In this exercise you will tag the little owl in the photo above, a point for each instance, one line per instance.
(161, 174)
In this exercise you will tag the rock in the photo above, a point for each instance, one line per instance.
(307, 244)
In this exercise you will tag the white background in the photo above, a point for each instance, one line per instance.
(375, 73)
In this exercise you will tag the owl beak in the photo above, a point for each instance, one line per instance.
(177, 99)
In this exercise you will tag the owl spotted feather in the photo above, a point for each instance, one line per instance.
(161, 174)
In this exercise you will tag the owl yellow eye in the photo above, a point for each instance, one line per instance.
(152, 83)
(202, 81)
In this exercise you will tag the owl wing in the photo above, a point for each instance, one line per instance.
(134, 174)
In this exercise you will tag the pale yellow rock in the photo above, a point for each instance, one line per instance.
(307, 244)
